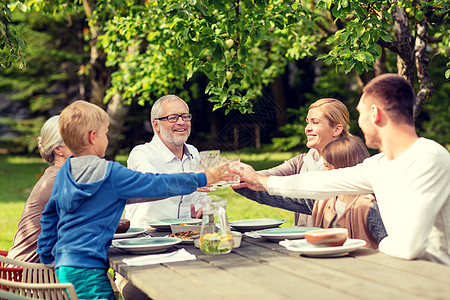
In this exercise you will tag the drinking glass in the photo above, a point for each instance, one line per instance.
(209, 158)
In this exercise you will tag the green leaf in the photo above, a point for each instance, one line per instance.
(332, 39)
(360, 56)
(378, 50)
(386, 37)
(360, 11)
(419, 15)
(203, 9)
(369, 57)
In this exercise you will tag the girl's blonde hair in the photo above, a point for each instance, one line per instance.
(77, 121)
(335, 112)
(49, 139)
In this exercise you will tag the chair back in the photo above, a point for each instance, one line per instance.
(9, 273)
(31, 272)
(37, 281)
(47, 291)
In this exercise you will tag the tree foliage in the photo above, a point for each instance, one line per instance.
(415, 31)
(12, 44)
(239, 45)
(142, 49)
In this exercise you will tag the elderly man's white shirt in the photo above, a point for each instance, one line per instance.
(412, 190)
(155, 157)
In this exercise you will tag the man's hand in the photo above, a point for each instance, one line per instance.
(196, 214)
(249, 178)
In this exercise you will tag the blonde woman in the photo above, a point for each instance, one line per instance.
(327, 120)
(53, 150)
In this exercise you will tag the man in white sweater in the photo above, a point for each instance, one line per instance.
(410, 176)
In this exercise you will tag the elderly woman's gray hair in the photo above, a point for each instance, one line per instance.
(49, 139)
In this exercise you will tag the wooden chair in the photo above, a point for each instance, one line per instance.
(32, 272)
(10, 296)
(37, 281)
(47, 291)
(9, 273)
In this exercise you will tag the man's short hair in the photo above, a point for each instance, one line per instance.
(76, 122)
(394, 94)
(157, 106)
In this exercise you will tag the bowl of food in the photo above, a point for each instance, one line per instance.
(124, 225)
(330, 237)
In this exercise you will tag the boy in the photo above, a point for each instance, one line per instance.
(88, 199)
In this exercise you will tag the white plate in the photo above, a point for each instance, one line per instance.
(307, 249)
(132, 232)
(165, 224)
(146, 245)
(256, 224)
(282, 233)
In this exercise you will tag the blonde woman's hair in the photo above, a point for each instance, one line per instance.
(49, 139)
(335, 112)
(345, 152)
(77, 121)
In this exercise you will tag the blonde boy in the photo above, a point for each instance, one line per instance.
(89, 196)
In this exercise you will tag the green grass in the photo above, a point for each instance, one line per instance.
(18, 175)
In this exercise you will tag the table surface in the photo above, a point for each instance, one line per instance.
(260, 269)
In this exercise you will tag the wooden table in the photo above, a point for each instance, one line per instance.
(260, 269)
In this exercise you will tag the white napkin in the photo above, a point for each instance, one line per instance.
(252, 234)
(152, 259)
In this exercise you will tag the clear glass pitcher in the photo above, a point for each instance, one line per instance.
(215, 235)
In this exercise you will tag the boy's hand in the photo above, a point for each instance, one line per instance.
(218, 173)
(249, 178)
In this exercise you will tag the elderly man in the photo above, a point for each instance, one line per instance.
(410, 177)
(167, 152)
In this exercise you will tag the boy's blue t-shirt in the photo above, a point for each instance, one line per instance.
(82, 215)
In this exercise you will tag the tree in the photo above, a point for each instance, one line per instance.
(12, 44)
(143, 49)
(50, 78)
(413, 30)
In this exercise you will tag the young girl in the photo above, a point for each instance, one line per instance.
(358, 213)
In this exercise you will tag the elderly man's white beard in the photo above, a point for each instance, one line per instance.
(167, 136)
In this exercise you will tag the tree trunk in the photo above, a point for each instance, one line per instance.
(279, 100)
(425, 84)
(380, 64)
(405, 57)
(117, 111)
(100, 81)
(99, 74)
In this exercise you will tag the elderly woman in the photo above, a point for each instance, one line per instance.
(53, 150)
(327, 120)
